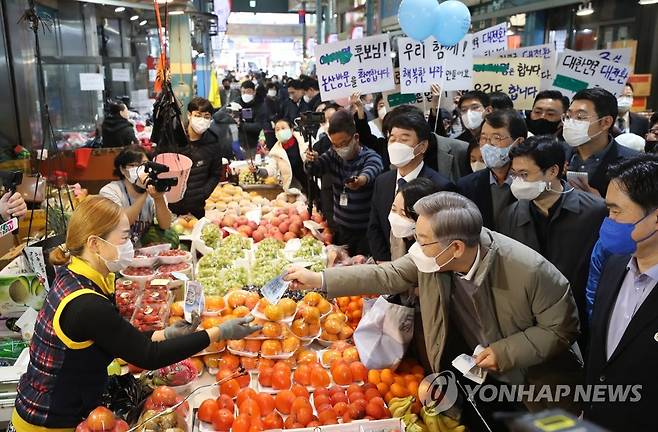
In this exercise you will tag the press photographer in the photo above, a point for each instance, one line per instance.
(142, 199)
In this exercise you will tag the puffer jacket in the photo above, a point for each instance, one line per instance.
(118, 132)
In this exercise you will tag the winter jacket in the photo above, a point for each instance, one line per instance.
(280, 163)
(118, 132)
(250, 129)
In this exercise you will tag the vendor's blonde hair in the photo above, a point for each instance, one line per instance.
(95, 216)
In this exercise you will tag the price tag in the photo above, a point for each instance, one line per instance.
(8, 227)
(274, 289)
(37, 264)
(194, 300)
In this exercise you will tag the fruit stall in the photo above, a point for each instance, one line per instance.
(301, 371)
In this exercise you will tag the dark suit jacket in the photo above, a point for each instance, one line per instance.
(477, 188)
(639, 125)
(599, 180)
(577, 212)
(632, 362)
(383, 194)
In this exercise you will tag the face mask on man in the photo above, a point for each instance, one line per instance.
(400, 154)
(495, 157)
(542, 126)
(131, 174)
(284, 135)
(307, 98)
(528, 190)
(472, 119)
(246, 97)
(624, 103)
(346, 153)
(200, 125)
(616, 237)
(576, 132)
(271, 93)
(401, 227)
(125, 254)
(424, 263)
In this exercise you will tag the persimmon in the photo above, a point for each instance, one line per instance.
(230, 388)
(321, 400)
(355, 396)
(341, 408)
(351, 354)
(272, 420)
(265, 403)
(359, 371)
(253, 345)
(250, 407)
(244, 394)
(272, 329)
(271, 347)
(265, 376)
(328, 417)
(319, 377)
(300, 390)
(281, 379)
(304, 415)
(338, 397)
(222, 420)
(229, 361)
(302, 374)
(290, 344)
(241, 424)
(342, 374)
(283, 401)
(225, 402)
(207, 410)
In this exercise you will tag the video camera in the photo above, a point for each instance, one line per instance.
(309, 122)
(11, 179)
(154, 169)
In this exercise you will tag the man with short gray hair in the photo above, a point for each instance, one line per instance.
(475, 287)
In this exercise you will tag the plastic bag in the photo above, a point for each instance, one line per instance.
(178, 374)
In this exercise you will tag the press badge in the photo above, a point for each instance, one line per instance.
(343, 199)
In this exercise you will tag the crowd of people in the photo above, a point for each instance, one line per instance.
(531, 233)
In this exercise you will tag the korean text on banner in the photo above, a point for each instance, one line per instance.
(492, 40)
(395, 97)
(362, 65)
(520, 78)
(546, 52)
(425, 63)
(615, 55)
(577, 71)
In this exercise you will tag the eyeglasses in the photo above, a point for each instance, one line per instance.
(582, 116)
(495, 139)
(422, 244)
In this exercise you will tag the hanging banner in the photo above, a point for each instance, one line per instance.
(425, 63)
(362, 65)
(122, 75)
(520, 78)
(577, 71)
(492, 40)
(395, 97)
(91, 81)
(546, 52)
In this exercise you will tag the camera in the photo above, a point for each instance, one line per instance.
(309, 122)
(11, 179)
(154, 169)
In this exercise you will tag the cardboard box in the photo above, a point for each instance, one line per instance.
(641, 84)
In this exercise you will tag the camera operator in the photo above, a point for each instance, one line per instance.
(141, 202)
(252, 117)
(206, 150)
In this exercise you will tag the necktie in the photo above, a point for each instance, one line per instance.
(401, 182)
(621, 124)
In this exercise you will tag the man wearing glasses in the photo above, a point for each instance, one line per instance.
(489, 188)
(586, 128)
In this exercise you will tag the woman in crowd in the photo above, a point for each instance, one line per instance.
(475, 157)
(403, 217)
(141, 202)
(79, 330)
(287, 157)
(117, 130)
(376, 124)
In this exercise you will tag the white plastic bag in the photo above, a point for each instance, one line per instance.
(383, 334)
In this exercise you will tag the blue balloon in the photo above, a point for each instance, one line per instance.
(452, 22)
(417, 18)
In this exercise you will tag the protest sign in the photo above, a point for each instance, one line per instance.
(425, 63)
(577, 71)
(546, 52)
(395, 97)
(362, 65)
(615, 55)
(492, 40)
(520, 78)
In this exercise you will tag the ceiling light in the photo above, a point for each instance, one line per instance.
(585, 10)
(143, 22)
(134, 17)
(177, 12)
(252, 3)
(587, 31)
(119, 9)
(648, 2)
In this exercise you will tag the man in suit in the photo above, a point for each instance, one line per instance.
(627, 121)
(549, 211)
(311, 96)
(586, 128)
(624, 327)
(489, 188)
(227, 93)
(407, 143)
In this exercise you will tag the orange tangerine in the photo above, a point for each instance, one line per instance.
(383, 388)
(387, 376)
(399, 390)
(373, 377)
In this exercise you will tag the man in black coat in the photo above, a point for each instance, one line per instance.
(624, 326)
(312, 96)
(253, 117)
(206, 151)
(292, 106)
(628, 121)
(489, 188)
(407, 144)
(587, 127)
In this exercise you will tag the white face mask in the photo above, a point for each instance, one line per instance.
(132, 174)
(528, 190)
(576, 132)
(369, 106)
(284, 135)
(200, 124)
(381, 112)
(401, 227)
(307, 98)
(125, 253)
(271, 93)
(400, 154)
(247, 97)
(424, 263)
(478, 166)
(624, 103)
(472, 119)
